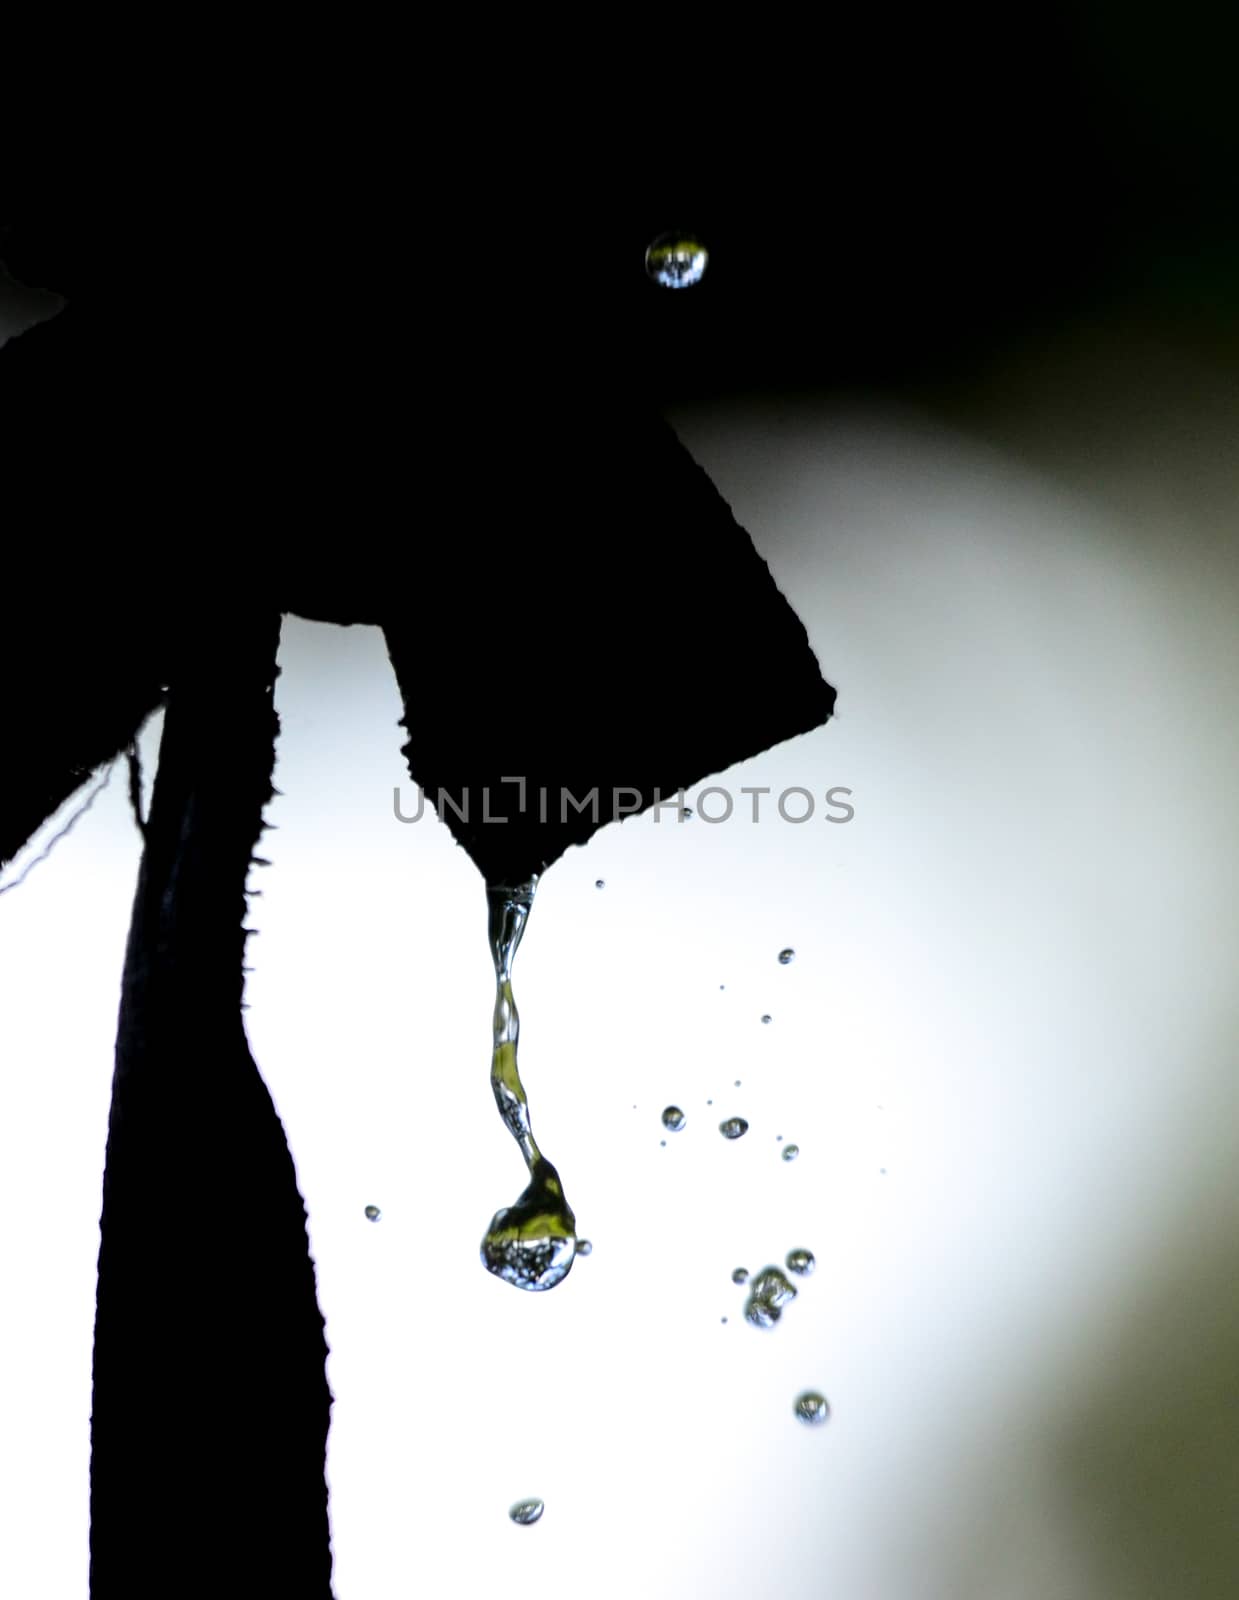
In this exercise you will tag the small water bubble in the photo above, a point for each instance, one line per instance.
(790, 1152)
(786, 957)
(737, 1083)
(584, 1247)
(600, 883)
(801, 1262)
(676, 260)
(733, 1128)
(740, 1275)
(525, 1512)
(674, 1119)
(812, 1407)
(373, 1213)
(662, 1144)
(769, 1294)
(722, 1319)
(766, 1017)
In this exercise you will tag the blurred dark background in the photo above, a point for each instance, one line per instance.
(882, 196)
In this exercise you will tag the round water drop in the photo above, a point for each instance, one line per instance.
(790, 1152)
(812, 1407)
(801, 1262)
(740, 1275)
(786, 956)
(733, 1128)
(766, 1018)
(688, 813)
(532, 1243)
(584, 1247)
(676, 260)
(525, 1512)
(600, 883)
(674, 1119)
(373, 1213)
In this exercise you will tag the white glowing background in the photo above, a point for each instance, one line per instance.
(1013, 991)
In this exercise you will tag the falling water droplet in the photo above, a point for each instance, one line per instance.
(812, 1407)
(801, 1262)
(530, 1244)
(525, 1512)
(766, 1018)
(733, 1128)
(674, 1119)
(676, 260)
(373, 1213)
(769, 1294)
(790, 1152)
(584, 1247)
(786, 956)
(740, 1275)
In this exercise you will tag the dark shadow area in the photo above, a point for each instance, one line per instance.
(210, 1398)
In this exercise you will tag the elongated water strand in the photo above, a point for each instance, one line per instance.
(531, 1243)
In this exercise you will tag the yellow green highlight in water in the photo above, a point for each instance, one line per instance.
(531, 1243)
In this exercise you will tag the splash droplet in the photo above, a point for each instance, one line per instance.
(733, 1128)
(786, 957)
(676, 260)
(373, 1213)
(740, 1275)
(584, 1247)
(812, 1407)
(766, 1017)
(525, 1512)
(674, 1119)
(790, 1152)
(769, 1294)
(801, 1262)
